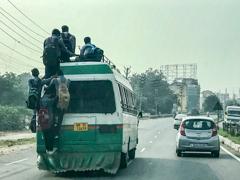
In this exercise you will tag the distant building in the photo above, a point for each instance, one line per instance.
(190, 93)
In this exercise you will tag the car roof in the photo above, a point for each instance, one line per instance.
(197, 117)
(181, 115)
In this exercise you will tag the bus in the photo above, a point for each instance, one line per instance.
(100, 127)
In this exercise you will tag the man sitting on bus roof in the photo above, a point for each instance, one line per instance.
(90, 52)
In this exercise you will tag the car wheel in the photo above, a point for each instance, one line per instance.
(216, 153)
(179, 153)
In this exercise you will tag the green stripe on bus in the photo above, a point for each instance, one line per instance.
(87, 69)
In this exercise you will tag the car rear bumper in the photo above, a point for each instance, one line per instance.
(186, 144)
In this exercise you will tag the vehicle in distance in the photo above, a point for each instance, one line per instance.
(232, 115)
(177, 120)
(198, 134)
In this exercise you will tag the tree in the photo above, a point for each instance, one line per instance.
(153, 87)
(11, 90)
(210, 102)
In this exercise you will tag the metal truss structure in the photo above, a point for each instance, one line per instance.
(171, 72)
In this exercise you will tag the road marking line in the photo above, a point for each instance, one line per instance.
(150, 142)
(143, 150)
(155, 137)
(162, 129)
(16, 162)
(159, 132)
(235, 157)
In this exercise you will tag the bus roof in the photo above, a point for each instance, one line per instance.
(93, 68)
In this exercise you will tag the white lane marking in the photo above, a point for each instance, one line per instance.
(235, 157)
(165, 127)
(143, 150)
(159, 132)
(162, 129)
(150, 142)
(155, 137)
(16, 161)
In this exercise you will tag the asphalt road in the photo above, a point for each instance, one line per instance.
(155, 159)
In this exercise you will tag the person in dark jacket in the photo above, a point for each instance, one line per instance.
(66, 35)
(57, 42)
(47, 102)
(36, 83)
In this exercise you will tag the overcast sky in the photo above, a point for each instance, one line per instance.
(138, 33)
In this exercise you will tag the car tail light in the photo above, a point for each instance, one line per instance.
(214, 130)
(182, 130)
(176, 118)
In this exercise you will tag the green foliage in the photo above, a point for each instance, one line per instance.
(153, 87)
(210, 102)
(13, 117)
(11, 90)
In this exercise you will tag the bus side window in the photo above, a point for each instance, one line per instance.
(120, 90)
(130, 99)
(126, 96)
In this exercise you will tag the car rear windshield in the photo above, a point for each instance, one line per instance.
(91, 97)
(198, 124)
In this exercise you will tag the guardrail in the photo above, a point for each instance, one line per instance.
(232, 129)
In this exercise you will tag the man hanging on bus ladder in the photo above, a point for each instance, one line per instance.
(53, 46)
(70, 43)
(61, 85)
(35, 87)
(47, 102)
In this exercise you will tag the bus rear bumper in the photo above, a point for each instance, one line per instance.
(62, 162)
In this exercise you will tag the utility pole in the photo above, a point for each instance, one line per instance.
(181, 88)
(142, 81)
(127, 71)
(156, 85)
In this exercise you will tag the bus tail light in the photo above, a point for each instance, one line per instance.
(107, 128)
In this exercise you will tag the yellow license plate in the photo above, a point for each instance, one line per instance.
(80, 126)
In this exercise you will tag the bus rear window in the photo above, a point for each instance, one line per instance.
(91, 97)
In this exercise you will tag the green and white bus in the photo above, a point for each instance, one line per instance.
(100, 128)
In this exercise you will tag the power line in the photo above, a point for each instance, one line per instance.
(20, 35)
(19, 52)
(22, 24)
(27, 17)
(19, 41)
(19, 62)
(22, 29)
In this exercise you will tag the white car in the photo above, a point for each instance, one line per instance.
(177, 120)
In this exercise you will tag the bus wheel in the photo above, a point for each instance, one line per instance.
(124, 160)
(131, 153)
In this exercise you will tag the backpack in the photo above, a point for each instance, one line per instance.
(34, 94)
(43, 119)
(92, 53)
(32, 125)
(63, 95)
(50, 55)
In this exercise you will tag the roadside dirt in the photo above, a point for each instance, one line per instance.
(16, 148)
(4, 149)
